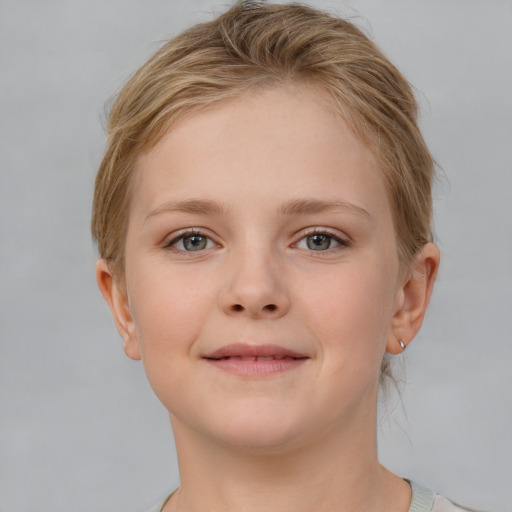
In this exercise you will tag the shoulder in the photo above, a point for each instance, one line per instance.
(160, 505)
(157, 508)
(442, 504)
(425, 500)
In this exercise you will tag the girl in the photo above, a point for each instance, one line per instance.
(262, 215)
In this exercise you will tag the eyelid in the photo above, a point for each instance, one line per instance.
(183, 233)
(343, 239)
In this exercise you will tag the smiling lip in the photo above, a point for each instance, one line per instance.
(255, 360)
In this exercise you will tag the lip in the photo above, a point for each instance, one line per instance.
(255, 360)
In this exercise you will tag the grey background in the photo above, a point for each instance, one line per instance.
(79, 427)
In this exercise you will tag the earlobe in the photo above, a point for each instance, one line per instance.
(413, 298)
(117, 300)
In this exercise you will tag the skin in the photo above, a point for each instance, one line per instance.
(254, 178)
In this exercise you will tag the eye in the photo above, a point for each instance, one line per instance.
(191, 242)
(320, 241)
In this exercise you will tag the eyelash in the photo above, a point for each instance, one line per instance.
(185, 234)
(341, 241)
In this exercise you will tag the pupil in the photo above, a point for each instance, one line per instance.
(318, 242)
(194, 242)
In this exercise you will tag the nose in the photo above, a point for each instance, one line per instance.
(255, 287)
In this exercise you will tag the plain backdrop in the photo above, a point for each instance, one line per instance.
(80, 429)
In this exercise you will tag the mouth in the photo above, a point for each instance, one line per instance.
(255, 360)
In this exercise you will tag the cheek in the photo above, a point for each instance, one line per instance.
(168, 309)
(351, 311)
(168, 313)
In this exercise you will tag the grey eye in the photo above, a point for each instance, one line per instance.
(319, 242)
(194, 242)
(190, 242)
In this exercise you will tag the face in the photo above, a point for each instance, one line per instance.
(262, 277)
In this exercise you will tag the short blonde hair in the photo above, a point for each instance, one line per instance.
(255, 44)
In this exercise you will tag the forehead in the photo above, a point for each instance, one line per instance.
(280, 143)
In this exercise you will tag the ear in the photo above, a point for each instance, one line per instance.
(117, 300)
(413, 297)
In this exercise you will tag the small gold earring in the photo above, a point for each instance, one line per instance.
(402, 344)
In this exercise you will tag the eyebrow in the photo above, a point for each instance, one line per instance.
(293, 207)
(309, 206)
(192, 206)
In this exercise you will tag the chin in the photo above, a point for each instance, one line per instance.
(258, 440)
(263, 430)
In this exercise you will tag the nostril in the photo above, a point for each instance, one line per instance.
(239, 307)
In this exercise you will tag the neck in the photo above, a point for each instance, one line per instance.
(337, 473)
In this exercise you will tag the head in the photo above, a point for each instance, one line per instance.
(252, 48)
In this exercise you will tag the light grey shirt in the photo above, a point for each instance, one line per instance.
(424, 500)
